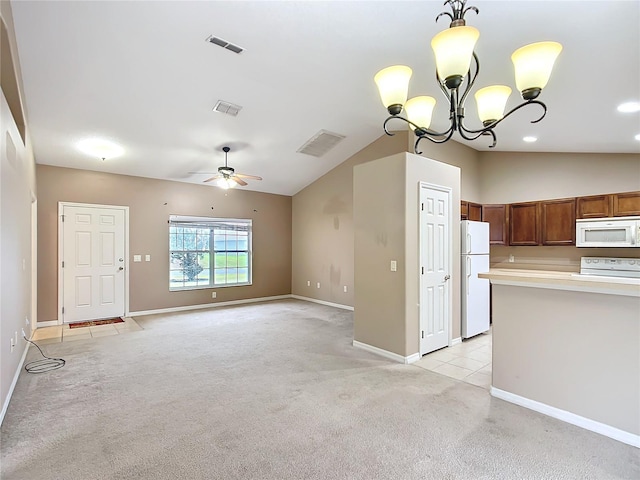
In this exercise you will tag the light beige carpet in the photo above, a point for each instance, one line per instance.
(275, 391)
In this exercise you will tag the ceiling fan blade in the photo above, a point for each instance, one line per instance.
(239, 181)
(244, 175)
(215, 177)
(202, 173)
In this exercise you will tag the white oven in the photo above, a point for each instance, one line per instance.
(608, 232)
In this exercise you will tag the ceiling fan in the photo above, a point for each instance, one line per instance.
(227, 177)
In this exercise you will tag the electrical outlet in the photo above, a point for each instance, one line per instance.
(394, 266)
(318, 285)
(345, 289)
(24, 335)
(214, 294)
(512, 259)
(308, 283)
(13, 344)
(147, 258)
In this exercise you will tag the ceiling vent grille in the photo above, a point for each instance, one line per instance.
(224, 44)
(227, 108)
(321, 143)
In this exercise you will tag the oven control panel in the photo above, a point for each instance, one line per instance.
(607, 266)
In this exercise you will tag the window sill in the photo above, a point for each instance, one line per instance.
(208, 287)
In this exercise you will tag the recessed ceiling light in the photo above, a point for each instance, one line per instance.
(637, 137)
(98, 147)
(629, 107)
(530, 139)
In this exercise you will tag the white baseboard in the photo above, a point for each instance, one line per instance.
(206, 305)
(385, 353)
(5, 405)
(322, 302)
(455, 341)
(50, 323)
(572, 418)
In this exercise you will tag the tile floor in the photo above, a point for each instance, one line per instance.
(469, 361)
(62, 333)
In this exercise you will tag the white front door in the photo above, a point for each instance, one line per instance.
(93, 262)
(435, 270)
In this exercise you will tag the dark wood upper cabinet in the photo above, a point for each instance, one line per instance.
(496, 216)
(474, 212)
(625, 204)
(558, 221)
(524, 224)
(464, 210)
(594, 206)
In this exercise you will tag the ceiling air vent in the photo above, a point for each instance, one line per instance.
(226, 107)
(224, 44)
(321, 143)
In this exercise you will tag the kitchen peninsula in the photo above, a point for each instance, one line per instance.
(568, 346)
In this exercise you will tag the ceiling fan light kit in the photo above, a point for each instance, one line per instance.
(457, 67)
(227, 177)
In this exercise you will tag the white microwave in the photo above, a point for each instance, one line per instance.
(608, 232)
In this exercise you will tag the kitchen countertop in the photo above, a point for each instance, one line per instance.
(564, 281)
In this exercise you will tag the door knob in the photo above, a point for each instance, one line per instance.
(121, 259)
(447, 277)
(121, 268)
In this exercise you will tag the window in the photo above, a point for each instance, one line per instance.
(209, 252)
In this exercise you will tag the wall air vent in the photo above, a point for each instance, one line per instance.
(227, 108)
(321, 143)
(224, 44)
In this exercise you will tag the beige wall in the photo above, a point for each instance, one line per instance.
(574, 351)
(386, 227)
(458, 155)
(322, 243)
(380, 316)
(150, 203)
(17, 190)
(509, 177)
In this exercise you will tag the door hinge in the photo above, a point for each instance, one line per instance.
(62, 217)
(422, 206)
(63, 310)
(63, 264)
(422, 270)
(422, 333)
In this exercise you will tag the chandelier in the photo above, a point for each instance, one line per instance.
(457, 68)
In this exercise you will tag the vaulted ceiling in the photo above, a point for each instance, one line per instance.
(142, 74)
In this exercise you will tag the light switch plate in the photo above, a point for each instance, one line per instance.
(137, 258)
(147, 258)
(394, 266)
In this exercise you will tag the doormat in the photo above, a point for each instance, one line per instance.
(95, 323)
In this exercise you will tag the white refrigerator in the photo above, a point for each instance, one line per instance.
(474, 259)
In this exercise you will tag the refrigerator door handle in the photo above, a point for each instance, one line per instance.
(468, 273)
(468, 243)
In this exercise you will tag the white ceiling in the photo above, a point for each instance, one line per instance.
(142, 75)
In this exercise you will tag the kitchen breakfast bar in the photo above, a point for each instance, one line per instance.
(568, 346)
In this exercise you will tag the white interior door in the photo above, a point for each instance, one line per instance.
(93, 263)
(435, 255)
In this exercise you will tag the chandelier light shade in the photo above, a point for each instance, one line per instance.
(457, 68)
(419, 111)
(533, 64)
(491, 102)
(453, 49)
(393, 85)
